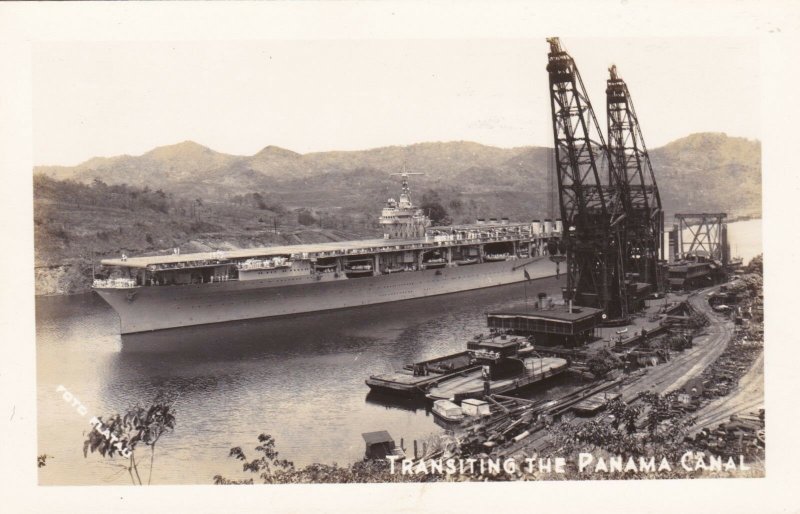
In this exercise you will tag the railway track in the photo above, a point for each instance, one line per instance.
(690, 363)
(747, 397)
(663, 378)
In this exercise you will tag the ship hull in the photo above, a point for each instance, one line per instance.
(145, 309)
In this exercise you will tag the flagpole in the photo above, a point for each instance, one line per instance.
(526, 294)
(527, 279)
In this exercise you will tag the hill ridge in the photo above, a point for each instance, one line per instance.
(707, 170)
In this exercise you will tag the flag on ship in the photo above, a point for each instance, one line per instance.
(527, 275)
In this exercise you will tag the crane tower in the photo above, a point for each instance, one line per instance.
(593, 212)
(644, 224)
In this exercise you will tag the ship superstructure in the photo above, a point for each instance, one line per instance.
(400, 219)
(413, 260)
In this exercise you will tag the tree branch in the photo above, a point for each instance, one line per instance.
(152, 455)
(136, 468)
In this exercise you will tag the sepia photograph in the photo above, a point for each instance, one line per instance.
(399, 310)
(393, 258)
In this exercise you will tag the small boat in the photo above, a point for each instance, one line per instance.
(325, 266)
(476, 408)
(358, 269)
(496, 257)
(264, 264)
(466, 262)
(448, 411)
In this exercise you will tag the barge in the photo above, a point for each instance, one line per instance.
(415, 379)
(530, 370)
(503, 369)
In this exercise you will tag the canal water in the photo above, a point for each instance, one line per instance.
(299, 379)
(745, 239)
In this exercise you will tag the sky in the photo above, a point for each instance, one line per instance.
(111, 98)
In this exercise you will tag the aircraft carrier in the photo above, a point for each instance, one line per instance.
(413, 260)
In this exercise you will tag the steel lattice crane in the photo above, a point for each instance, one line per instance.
(644, 224)
(593, 212)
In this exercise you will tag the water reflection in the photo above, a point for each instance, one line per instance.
(325, 331)
(390, 401)
(247, 339)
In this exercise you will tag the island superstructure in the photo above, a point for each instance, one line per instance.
(413, 260)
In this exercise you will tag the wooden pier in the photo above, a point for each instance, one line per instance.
(595, 403)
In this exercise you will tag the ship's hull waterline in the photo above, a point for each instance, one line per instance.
(144, 309)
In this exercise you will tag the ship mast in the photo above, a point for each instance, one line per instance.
(405, 191)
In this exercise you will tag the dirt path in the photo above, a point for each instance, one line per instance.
(690, 363)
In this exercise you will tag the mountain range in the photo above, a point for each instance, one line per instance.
(700, 172)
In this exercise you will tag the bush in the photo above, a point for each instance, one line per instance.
(305, 218)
